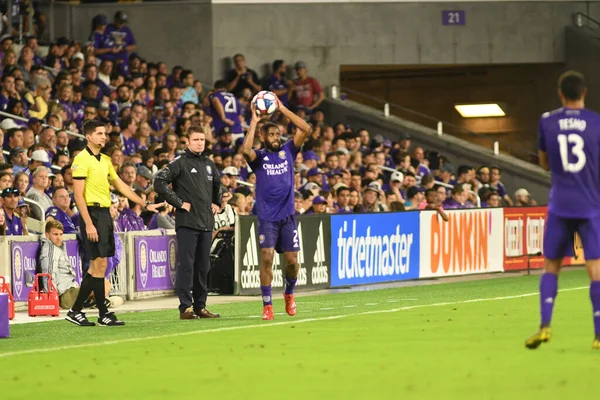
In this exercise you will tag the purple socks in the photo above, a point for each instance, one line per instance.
(290, 284)
(548, 292)
(595, 297)
(266, 295)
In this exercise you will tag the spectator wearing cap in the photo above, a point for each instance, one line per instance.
(307, 91)
(314, 175)
(231, 175)
(61, 210)
(278, 83)
(311, 160)
(495, 176)
(371, 198)
(240, 77)
(41, 176)
(19, 159)
(224, 142)
(404, 143)
(319, 206)
(122, 39)
(414, 197)
(333, 178)
(39, 158)
(445, 174)
(523, 198)
(130, 218)
(189, 93)
(103, 113)
(342, 204)
(143, 178)
(15, 224)
(103, 43)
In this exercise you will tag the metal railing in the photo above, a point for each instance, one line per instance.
(441, 126)
(23, 119)
(581, 20)
(35, 225)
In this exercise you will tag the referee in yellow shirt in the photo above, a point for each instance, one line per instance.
(93, 173)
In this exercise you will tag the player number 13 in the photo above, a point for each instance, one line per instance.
(564, 142)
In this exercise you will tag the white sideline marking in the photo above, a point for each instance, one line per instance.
(266, 325)
(349, 306)
(371, 304)
(326, 308)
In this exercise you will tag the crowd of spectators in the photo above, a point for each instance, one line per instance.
(147, 108)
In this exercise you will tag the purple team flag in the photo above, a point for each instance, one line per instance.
(155, 263)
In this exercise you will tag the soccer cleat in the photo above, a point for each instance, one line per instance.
(596, 344)
(78, 318)
(267, 313)
(541, 336)
(290, 304)
(110, 319)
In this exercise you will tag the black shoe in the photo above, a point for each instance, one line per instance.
(110, 319)
(78, 318)
(89, 303)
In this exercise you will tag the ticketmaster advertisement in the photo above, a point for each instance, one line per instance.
(374, 248)
(313, 257)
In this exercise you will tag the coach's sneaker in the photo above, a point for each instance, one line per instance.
(596, 344)
(290, 304)
(78, 318)
(267, 313)
(110, 319)
(541, 336)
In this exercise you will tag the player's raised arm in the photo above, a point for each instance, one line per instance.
(247, 147)
(303, 126)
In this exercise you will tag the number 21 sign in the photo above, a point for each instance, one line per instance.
(453, 17)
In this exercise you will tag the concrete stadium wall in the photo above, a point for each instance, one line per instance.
(204, 35)
(176, 32)
(326, 36)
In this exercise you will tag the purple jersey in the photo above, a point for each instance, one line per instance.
(275, 182)
(63, 218)
(120, 37)
(232, 109)
(273, 83)
(571, 139)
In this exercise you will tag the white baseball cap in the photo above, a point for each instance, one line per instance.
(397, 177)
(522, 192)
(7, 124)
(40, 155)
(233, 171)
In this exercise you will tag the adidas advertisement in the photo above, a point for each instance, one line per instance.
(313, 257)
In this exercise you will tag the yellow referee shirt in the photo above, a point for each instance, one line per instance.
(98, 173)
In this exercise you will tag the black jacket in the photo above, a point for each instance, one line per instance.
(195, 180)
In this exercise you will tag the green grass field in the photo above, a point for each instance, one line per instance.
(459, 340)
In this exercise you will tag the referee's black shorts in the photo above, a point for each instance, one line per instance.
(105, 246)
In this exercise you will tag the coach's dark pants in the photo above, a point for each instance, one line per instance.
(193, 264)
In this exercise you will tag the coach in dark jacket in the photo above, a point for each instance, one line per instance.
(196, 194)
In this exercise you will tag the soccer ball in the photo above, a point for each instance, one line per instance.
(265, 103)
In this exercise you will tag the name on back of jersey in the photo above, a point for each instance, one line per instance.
(276, 169)
(572, 124)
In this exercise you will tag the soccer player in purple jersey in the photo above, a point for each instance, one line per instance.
(569, 147)
(274, 169)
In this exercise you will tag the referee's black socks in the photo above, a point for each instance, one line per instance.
(84, 292)
(100, 295)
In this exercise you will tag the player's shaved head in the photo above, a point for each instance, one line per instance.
(572, 85)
